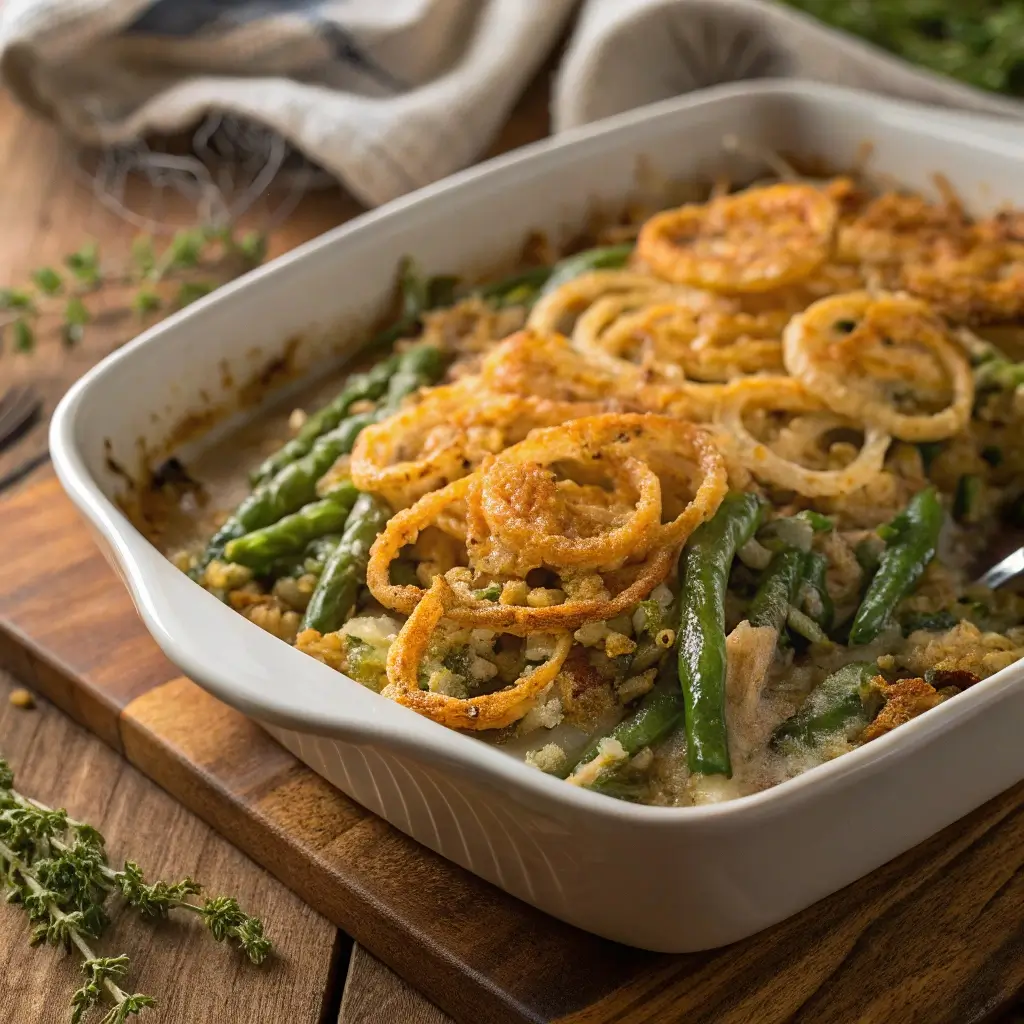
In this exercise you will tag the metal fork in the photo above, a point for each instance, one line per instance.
(19, 410)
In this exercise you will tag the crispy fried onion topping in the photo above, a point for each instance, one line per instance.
(753, 241)
(676, 341)
(559, 310)
(604, 503)
(486, 711)
(971, 272)
(446, 434)
(547, 365)
(872, 357)
(787, 459)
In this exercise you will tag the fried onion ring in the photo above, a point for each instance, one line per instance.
(405, 527)
(520, 518)
(752, 241)
(445, 435)
(831, 345)
(684, 459)
(556, 311)
(487, 711)
(784, 393)
(545, 365)
(717, 345)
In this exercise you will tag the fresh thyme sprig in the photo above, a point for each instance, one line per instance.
(64, 293)
(56, 869)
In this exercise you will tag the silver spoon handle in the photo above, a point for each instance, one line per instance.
(1004, 571)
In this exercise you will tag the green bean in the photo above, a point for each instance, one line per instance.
(420, 293)
(704, 573)
(345, 571)
(319, 548)
(417, 367)
(967, 499)
(818, 523)
(418, 296)
(289, 489)
(293, 533)
(933, 622)
(777, 589)
(659, 713)
(310, 562)
(608, 257)
(813, 598)
(842, 700)
(930, 451)
(868, 553)
(911, 541)
(998, 374)
(295, 485)
(441, 292)
(286, 568)
(360, 387)
(803, 625)
(525, 284)
(647, 654)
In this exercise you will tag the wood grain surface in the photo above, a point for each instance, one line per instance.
(42, 646)
(195, 979)
(936, 935)
(49, 207)
(374, 994)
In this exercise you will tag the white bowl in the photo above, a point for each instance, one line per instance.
(673, 880)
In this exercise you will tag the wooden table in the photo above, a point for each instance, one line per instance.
(47, 209)
(318, 976)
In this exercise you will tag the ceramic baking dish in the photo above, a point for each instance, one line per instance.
(666, 879)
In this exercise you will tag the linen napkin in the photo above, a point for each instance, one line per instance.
(389, 95)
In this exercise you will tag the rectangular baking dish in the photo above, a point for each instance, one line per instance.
(672, 880)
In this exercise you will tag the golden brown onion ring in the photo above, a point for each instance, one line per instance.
(666, 445)
(517, 515)
(405, 527)
(753, 241)
(402, 530)
(445, 435)
(546, 365)
(488, 711)
(823, 346)
(895, 227)
(718, 345)
(785, 393)
(556, 311)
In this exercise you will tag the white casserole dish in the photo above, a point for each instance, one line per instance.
(673, 880)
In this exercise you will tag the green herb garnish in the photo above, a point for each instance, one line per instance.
(56, 869)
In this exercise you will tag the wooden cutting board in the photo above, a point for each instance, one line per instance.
(936, 935)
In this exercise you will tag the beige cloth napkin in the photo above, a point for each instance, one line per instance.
(389, 95)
